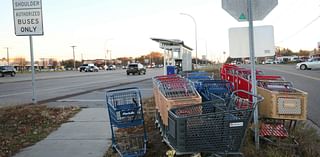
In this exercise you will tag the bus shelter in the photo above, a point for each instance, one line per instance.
(175, 53)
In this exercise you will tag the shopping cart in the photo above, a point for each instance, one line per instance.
(215, 89)
(126, 113)
(209, 128)
(197, 77)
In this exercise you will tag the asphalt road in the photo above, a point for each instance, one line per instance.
(308, 80)
(97, 99)
(60, 85)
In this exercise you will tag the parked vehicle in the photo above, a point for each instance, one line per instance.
(7, 70)
(313, 63)
(136, 68)
(83, 67)
(111, 67)
(92, 69)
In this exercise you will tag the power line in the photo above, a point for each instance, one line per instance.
(300, 30)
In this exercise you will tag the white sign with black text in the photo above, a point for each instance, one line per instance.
(27, 17)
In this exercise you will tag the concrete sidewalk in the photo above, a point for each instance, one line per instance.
(87, 134)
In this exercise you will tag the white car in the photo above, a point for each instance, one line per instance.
(269, 61)
(313, 63)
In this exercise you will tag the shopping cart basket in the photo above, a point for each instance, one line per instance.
(215, 89)
(207, 127)
(126, 113)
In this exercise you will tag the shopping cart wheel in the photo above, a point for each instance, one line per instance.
(114, 150)
(171, 153)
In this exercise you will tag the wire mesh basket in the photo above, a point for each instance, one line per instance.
(173, 91)
(208, 127)
(125, 107)
(131, 145)
(215, 89)
(126, 113)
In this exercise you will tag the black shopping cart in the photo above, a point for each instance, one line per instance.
(126, 114)
(210, 128)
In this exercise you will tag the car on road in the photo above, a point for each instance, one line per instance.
(92, 69)
(111, 67)
(84, 67)
(136, 68)
(313, 63)
(7, 70)
(269, 61)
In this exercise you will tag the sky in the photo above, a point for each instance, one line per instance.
(125, 27)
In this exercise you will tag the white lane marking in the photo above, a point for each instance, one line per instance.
(82, 100)
(297, 74)
(7, 95)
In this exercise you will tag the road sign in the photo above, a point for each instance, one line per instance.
(27, 17)
(238, 8)
(263, 41)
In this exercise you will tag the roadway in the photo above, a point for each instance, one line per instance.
(306, 80)
(51, 86)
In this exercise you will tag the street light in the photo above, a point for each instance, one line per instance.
(74, 60)
(195, 33)
(106, 48)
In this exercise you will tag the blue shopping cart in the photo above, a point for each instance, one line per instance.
(126, 113)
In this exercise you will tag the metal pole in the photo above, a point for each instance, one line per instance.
(195, 33)
(8, 60)
(110, 57)
(34, 100)
(206, 54)
(82, 58)
(105, 59)
(164, 62)
(74, 60)
(253, 73)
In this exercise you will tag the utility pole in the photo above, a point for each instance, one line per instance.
(206, 54)
(82, 58)
(8, 60)
(74, 60)
(110, 57)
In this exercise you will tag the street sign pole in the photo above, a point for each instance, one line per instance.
(253, 73)
(254, 10)
(28, 22)
(34, 99)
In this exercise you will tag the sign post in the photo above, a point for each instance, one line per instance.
(28, 22)
(250, 10)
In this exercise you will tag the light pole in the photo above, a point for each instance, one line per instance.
(74, 60)
(8, 55)
(195, 33)
(206, 54)
(107, 50)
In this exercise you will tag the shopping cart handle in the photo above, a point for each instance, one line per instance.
(259, 98)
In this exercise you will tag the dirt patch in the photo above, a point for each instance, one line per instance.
(23, 126)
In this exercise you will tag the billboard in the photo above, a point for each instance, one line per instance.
(263, 41)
